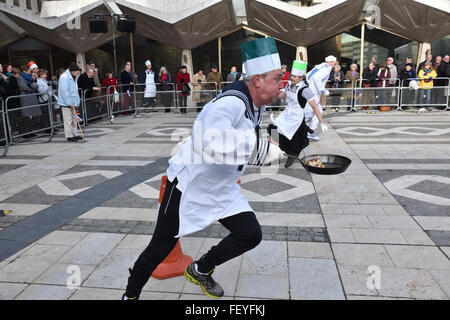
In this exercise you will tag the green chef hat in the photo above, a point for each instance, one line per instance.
(260, 56)
(299, 68)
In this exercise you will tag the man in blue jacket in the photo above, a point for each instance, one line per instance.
(68, 100)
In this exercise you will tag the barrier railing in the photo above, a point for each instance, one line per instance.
(22, 116)
(95, 106)
(201, 92)
(127, 100)
(417, 96)
(155, 98)
(341, 96)
(31, 118)
(223, 85)
(3, 130)
(384, 95)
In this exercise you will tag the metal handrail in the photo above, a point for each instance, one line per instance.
(5, 131)
(7, 111)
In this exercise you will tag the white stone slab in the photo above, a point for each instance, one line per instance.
(23, 269)
(45, 292)
(63, 238)
(263, 286)
(394, 222)
(268, 258)
(433, 223)
(347, 221)
(92, 249)
(361, 255)
(379, 236)
(309, 250)
(59, 274)
(418, 257)
(341, 235)
(314, 279)
(113, 271)
(8, 291)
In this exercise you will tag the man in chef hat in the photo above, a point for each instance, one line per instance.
(317, 79)
(202, 176)
(150, 78)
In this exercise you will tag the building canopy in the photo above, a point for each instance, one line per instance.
(419, 20)
(187, 24)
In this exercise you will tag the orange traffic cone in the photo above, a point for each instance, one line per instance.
(176, 262)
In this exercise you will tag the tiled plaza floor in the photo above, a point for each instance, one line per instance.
(93, 206)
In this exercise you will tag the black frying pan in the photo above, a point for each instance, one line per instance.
(334, 164)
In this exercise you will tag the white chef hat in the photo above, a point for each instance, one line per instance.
(147, 62)
(330, 59)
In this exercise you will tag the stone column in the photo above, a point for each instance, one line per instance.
(81, 61)
(424, 50)
(302, 54)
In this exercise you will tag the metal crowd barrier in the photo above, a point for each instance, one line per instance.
(95, 106)
(436, 96)
(341, 96)
(201, 93)
(370, 97)
(127, 100)
(31, 119)
(162, 97)
(3, 130)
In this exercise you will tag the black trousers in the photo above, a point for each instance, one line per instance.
(183, 103)
(245, 234)
(298, 142)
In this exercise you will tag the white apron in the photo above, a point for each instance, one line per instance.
(150, 86)
(291, 118)
(210, 191)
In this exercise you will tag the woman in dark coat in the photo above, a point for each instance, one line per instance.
(183, 89)
(165, 84)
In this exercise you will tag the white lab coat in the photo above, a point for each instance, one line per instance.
(291, 118)
(209, 188)
(150, 86)
(317, 79)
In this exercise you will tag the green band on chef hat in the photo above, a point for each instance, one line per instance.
(260, 56)
(299, 68)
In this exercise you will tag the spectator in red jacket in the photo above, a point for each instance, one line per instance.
(183, 88)
(112, 82)
(286, 74)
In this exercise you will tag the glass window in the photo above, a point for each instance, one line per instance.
(27, 49)
(381, 45)
(205, 56)
(231, 49)
(287, 53)
(345, 46)
(158, 53)
(441, 47)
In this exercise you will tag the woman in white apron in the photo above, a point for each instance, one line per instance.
(291, 122)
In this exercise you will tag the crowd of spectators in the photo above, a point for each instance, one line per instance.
(30, 86)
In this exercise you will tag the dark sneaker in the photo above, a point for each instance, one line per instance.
(72, 139)
(289, 162)
(210, 287)
(124, 297)
(79, 137)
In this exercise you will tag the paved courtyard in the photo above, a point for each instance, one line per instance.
(92, 207)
